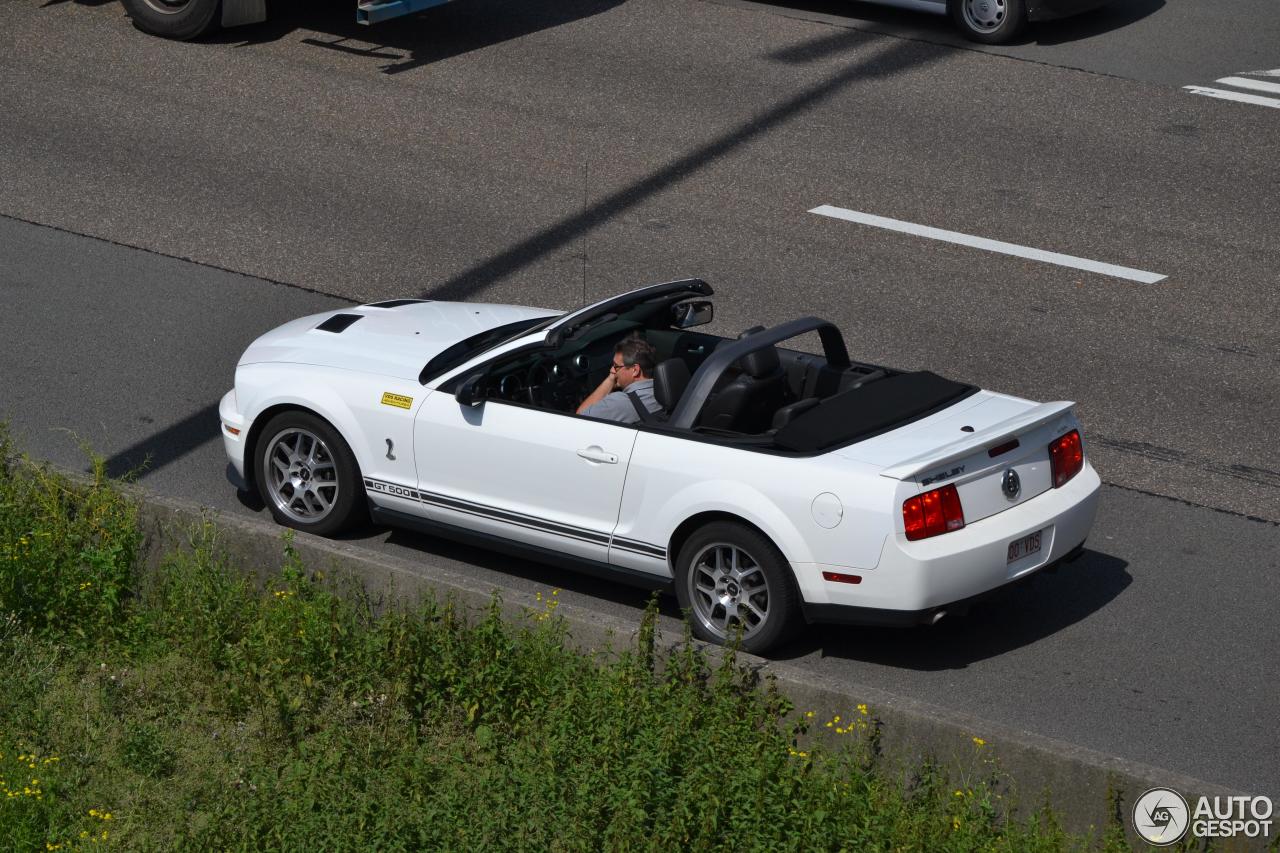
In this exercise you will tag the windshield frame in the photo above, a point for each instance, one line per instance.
(467, 349)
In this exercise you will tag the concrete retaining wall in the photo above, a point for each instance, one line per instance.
(1076, 781)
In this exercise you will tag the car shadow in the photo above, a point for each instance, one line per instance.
(1019, 616)
(1024, 614)
(544, 575)
(1114, 15)
(413, 41)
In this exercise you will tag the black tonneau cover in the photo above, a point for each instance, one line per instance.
(869, 410)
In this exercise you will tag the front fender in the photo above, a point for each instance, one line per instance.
(261, 388)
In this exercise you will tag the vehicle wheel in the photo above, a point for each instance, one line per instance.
(728, 575)
(990, 21)
(174, 19)
(308, 476)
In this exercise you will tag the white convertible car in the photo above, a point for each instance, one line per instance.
(776, 486)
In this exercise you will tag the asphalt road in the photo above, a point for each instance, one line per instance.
(549, 154)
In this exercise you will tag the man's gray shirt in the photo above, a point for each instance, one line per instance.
(616, 407)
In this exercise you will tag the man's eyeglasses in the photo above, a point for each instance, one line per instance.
(616, 367)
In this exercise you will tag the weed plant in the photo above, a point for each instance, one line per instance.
(191, 708)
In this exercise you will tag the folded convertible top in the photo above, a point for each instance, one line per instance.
(871, 409)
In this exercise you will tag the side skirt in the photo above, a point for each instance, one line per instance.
(395, 518)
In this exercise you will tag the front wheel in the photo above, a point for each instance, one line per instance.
(307, 475)
(990, 21)
(730, 578)
(174, 19)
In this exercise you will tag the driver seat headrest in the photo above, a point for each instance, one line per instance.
(670, 378)
(761, 363)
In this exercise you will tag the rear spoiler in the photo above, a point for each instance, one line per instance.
(989, 437)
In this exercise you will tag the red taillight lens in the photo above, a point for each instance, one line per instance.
(1066, 457)
(934, 512)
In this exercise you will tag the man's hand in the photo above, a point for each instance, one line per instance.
(603, 390)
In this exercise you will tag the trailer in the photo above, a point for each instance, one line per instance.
(188, 19)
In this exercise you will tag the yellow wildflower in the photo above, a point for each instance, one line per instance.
(979, 741)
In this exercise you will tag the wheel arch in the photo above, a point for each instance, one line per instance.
(691, 525)
(255, 433)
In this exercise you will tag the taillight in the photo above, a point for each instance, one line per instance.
(1066, 457)
(934, 512)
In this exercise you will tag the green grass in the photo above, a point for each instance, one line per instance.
(188, 707)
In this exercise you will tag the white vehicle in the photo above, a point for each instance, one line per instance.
(776, 486)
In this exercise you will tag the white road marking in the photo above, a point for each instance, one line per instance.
(989, 245)
(1223, 94)
(1255, 85)
(1274, 72)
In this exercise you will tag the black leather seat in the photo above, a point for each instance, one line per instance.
(748, 401)
(670, 378)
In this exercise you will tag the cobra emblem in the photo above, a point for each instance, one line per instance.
(1011, 485)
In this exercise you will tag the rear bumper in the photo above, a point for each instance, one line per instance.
(914, 581)
(1048, 10)
(843, 614)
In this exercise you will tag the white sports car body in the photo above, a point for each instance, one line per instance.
(774, 484)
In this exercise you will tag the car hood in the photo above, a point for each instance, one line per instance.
(394, 341)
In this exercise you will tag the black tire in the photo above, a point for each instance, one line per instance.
(174, 19)
(307, 475)
(990, 21)
(702, 591)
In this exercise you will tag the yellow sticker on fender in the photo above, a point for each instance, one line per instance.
(397, 400)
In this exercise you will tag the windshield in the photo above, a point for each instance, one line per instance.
(468, 348)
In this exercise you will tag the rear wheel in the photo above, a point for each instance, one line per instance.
(990, 21)
(730, 578)
(174, 19)
(307, 475)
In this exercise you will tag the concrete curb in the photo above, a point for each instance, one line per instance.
(1033, 770)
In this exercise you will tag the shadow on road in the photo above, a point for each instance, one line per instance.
(1115, 15)
(1019, 616)
(547, 577)
(411, 42)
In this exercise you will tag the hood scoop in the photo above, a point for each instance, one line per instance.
(338, 323)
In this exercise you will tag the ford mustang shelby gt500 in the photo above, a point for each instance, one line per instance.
(774, 484)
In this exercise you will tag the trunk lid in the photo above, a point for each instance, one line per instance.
(993, 448)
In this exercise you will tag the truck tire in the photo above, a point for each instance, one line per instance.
(174, 19)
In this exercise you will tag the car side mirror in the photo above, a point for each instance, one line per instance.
(690, 314)
(470, 392)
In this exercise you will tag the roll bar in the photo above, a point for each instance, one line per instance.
(702, 383)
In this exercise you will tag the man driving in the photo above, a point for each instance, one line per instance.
(628, 388)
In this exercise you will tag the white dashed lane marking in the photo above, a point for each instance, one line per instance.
(1247, 83)
(989, 245)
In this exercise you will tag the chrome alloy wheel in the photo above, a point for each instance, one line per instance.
(727, 587)
(301, 475)
(984, 16)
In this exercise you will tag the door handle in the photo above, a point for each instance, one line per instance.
(598, 454)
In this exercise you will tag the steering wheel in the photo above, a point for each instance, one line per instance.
(509, 386)
(542, 373)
